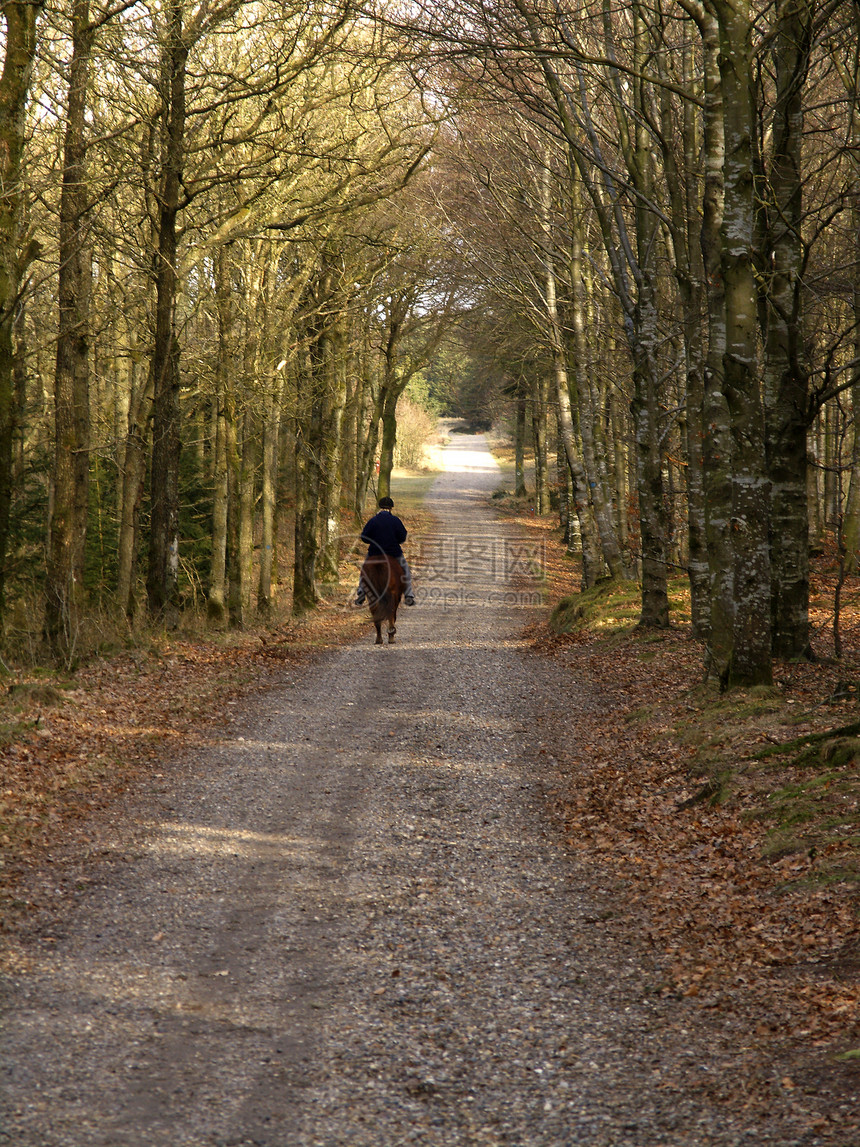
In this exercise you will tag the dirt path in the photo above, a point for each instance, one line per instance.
(353, 923)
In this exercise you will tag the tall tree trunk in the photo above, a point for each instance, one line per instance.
(20, 372)
(540, 399)
(653, 518)
(225, 462)
(392, 385)
(132, 478)
(333, 453)
(241, 569)
(368, 417)
(851, 529)
(269, 491)
(620, 484)
(587, 401)
(749, 662)
(786, 374)
(19, 17)
(640, 314)
(388, 440)
(308, 486)
(830, 457)
(162, 575)
(813, 488)
(242, 541)
(592, 564)
(64, 589)
(592, 557)
(216, 602)
(353, 422)
(520, 488)
(683, 189)
(716, 422)
(233, 449)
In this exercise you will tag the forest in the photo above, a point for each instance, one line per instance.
(239, 241)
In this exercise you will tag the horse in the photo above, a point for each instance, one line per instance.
(382, 577)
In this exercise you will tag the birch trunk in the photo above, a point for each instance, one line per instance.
(716, 422)
(653, 518)
(640, 314)
(592, 564)
(684, 187)
(619, 478)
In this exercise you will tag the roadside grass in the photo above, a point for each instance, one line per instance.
(409, 488)
(609, 609)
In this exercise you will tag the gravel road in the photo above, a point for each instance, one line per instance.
(353, 922)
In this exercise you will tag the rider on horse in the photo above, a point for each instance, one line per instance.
(384, 534)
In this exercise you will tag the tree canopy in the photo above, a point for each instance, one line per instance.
(232, 234)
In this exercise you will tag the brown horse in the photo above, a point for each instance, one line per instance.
(382, 577)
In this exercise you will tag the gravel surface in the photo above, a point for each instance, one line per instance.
(354, 921)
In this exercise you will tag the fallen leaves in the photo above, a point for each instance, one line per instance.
(664, 789)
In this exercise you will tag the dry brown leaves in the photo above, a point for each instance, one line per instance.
(735, 926)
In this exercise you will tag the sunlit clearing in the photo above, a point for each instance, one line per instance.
(463, 461)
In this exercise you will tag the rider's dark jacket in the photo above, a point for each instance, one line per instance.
(383, 534)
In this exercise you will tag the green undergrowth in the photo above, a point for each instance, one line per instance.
(409, 488)
(610, 606)
(614, 606)
(805, 789)
(813, 804)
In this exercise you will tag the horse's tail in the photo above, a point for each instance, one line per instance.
(383, 578)
(380, 607)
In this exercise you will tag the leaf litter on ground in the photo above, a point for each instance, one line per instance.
(739, 852)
